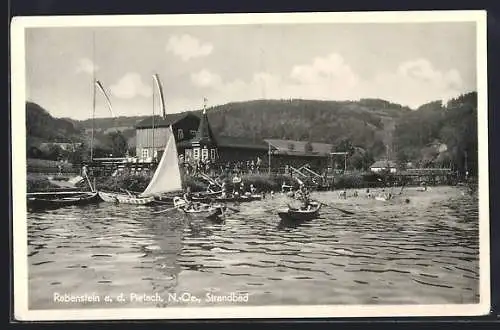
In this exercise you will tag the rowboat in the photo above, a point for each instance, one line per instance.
(40, 203)
(300, 214)
(112, 197)
(206, 211)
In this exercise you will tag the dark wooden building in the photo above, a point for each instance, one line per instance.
(197, 142)
(206, 145)
(151, 133)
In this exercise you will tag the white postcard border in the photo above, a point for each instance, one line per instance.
(19, 225)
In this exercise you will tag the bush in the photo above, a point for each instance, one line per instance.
(38, 184)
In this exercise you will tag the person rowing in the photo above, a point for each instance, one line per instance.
(188, 198)
(303, 195)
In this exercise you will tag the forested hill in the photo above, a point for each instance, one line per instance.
(366, 123)
(440, 134)
(42, 127)
(433, 133)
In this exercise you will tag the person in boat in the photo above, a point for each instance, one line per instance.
(253, 190)
(188, 197)
(305, 196)
(224, 190)
(368, 193)
(343, 194)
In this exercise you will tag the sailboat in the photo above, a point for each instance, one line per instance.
(167, 178)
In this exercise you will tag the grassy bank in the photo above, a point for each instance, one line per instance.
(48, 166)
(37, 183)
(263, 182)
(139, 182)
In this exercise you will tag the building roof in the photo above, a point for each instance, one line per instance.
(170, 119)
(298, 148)
(232, 142)
(241, 142)
(204, 133)
(383, 164)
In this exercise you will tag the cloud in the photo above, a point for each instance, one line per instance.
(329, 70)
(130, 86)
(86, 65)
(411, 83)
(417, 82)
(205, 78)
(188, 47)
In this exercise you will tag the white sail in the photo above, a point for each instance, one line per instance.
(108, 101)
(167, 177)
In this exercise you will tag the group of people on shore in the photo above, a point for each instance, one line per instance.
(216, 168)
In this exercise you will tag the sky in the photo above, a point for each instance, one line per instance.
(406, 63)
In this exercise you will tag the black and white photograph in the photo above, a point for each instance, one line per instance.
(250, 166)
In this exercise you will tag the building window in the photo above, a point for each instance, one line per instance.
(193, 132)
(212, 154)
(144, 153)
(180, 134)
(204, 154)
(196, 153)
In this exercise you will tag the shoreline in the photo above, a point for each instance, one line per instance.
(39, 182)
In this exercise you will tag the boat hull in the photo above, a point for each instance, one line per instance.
(125, 198)
(239, 199)
(211, 214)
(39, 203)
(300, 215)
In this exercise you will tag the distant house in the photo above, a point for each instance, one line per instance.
(384, 165)
(297, 153)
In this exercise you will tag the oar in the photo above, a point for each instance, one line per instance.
(233, 209)
(401, 191)
(337, 208)
(166, 210)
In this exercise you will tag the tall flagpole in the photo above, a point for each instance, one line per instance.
(269, 158)
(93, 98)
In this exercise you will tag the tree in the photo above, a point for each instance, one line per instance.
(79, 155)
(117, 143)
(54, 152)
(131, 151)
(345, 145)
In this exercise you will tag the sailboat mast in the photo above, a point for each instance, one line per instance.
(93, 98)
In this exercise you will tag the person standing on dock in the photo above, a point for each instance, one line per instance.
(84, 170)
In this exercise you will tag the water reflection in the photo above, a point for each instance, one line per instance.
(425, 251)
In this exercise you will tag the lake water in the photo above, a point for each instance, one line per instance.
(422, 252)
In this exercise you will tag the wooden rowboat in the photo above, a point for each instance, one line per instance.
(126, 198)
(301, 214)
(205, 211)
(43, 203)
